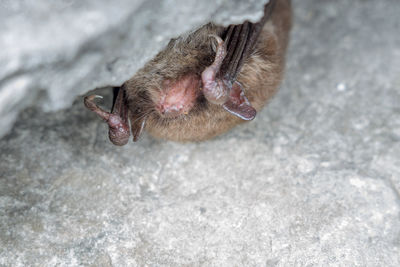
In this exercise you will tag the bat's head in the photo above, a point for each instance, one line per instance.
(193, 90)
(168, 92)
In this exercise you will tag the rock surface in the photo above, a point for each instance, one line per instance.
(313, 181)
(52, 51)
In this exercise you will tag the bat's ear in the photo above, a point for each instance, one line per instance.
(238, 104)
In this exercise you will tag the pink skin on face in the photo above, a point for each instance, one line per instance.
(179, 97)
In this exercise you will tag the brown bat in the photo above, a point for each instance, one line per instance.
(204, 83)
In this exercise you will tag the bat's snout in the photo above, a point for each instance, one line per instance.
(178, 97)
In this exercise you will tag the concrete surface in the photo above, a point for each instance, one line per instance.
(52, 51)
(313, 181)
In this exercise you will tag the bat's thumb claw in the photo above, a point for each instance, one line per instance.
(90, 98)
(90, 104)
(217, 38)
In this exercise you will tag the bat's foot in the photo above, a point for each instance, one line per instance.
(238, 104)
(223, 92)
(216, 90)
(118, 127)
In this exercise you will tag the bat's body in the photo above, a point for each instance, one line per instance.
(200, 86)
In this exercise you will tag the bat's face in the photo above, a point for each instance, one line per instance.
(177, 98)
(178, 110)
(168, 91)
(179, 95)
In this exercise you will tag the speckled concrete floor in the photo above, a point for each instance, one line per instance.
(313, 181)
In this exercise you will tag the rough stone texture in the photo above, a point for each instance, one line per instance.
(313, 181)
(52, 51)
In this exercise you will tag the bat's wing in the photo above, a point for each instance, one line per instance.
(240, 41)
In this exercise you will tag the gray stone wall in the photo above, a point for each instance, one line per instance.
(314, 180)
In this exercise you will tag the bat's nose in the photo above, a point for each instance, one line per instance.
(178, 97)
(171, 109)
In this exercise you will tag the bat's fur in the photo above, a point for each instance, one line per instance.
(191, 54)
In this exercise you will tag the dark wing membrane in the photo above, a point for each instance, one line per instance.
(240, 41)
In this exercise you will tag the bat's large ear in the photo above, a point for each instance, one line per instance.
(238, 104)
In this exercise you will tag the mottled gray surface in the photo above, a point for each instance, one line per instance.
(52, 51)
(313, 181)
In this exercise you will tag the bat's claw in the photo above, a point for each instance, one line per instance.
(220, 43)
(90, 104)
(118, 128)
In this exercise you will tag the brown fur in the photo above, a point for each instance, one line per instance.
(260, 77)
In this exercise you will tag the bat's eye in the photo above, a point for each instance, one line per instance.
(178, 97)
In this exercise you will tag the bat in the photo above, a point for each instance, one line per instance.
(204, 82)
